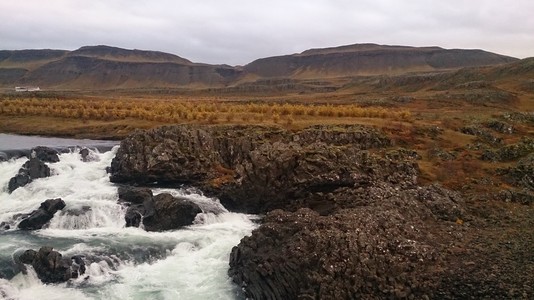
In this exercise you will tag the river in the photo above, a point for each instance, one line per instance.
(189, 263)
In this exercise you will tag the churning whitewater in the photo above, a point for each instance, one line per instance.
(189, 263)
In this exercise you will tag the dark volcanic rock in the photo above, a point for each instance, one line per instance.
(522, 174)
(510, 152)
(41, 216)
(355, 225)
(84, 153)
(45, 154)
(139, 201)
(256, 169)
(51, 266)
(134, 215)
(481, 133)
(18, 181)
(379, 251)
(134, 195)
(166, 212)
(32, 169)
(156, 213)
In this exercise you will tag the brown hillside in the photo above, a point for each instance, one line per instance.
(119, 54)
(29, 59)
(84, 72)
(371, 59)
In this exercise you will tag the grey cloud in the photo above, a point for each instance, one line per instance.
(238, 31)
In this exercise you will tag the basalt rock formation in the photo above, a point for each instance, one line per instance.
(378, 250)
(156, 213)
(257, 169)
(45, 154)
(166, 212)
(41, 216)
(345, 217)
(32, 169)
(51, 266)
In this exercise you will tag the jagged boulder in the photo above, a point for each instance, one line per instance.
(45, 154)
(136, 199)
(521, 174)
(32, 169)
(166, 212)
(41, 216)
(134, 195)
(510, 152)
(156, 213)
(51, 266)
(134, 215)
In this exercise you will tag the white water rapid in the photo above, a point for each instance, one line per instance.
(189, 263)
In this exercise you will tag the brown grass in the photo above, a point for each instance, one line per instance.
(61, 116)
(185, 111)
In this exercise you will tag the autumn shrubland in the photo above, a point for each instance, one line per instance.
(204, 112)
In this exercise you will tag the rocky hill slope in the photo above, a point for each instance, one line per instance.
(103, 67)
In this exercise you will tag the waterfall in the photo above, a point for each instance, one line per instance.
(122, 263)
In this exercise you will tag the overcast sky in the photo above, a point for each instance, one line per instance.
(239, 31)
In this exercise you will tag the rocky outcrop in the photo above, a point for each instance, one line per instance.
(135, 198)
(51, 266)
(483, 134)
(256, 169)
(522, 173)
(32, 169)
(134, 195)
(521, 177)
(156, 213)
(380, 250)
(510, 152)
(166, 212)
(41, 216)
(45, 154)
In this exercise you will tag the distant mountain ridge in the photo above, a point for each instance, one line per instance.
(371, 59)
(105, 67)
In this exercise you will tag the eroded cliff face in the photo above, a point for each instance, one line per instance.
(257, 169)
(390, 246)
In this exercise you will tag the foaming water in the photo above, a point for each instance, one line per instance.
(123, 263)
